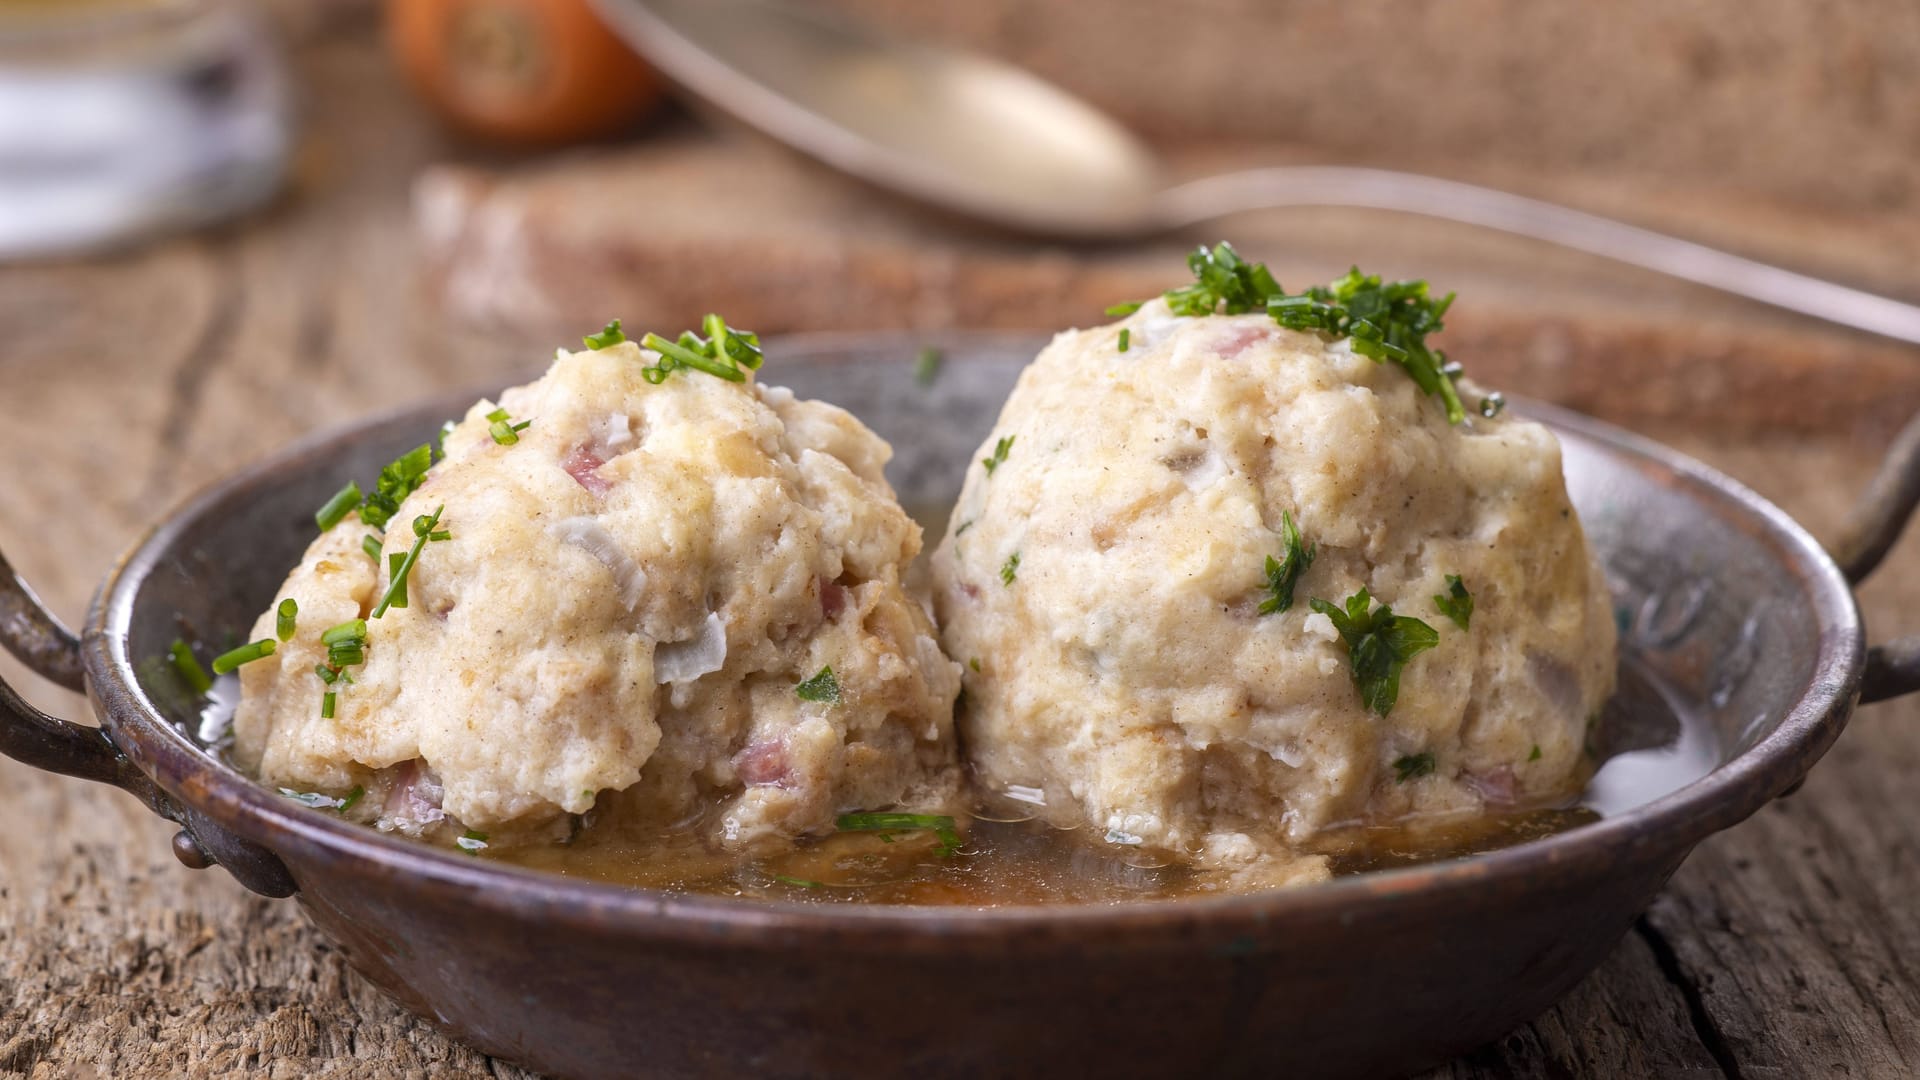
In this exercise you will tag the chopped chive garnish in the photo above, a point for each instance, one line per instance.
(371, 545)
(1009, 568)
(1412, 766)
(685, 356)
(337, 508)
(351, 630)
(503, 429)
(1121, 311)
(609, 335)
(326, 705)
(245, 654)
(1126, 336)
(974, 663)
(823, 686)
(926, 367)
(740, 346)
(1284, 573)
(283, 620)
(189, 668)
(724, 352)
(472, 841)
(393, 569)
(353, 798)
(423, 527)
(1456, 603)
(1535, 756)
(399, 479)
(964, 526)
(327, 674)
(796, 882)
(1379, 644)
(939, 824)
(999, 455)
(1386, 321)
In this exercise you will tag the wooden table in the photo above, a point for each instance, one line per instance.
(1787, 947)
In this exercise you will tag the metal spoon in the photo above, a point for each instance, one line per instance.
(987, 141)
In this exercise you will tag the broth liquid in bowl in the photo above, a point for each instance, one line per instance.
(1647, 746)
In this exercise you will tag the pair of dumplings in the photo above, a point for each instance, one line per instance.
(679, 603)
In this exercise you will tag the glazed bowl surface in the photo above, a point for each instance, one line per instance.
(1739, 624)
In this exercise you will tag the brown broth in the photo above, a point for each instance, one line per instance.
(1001, 863)
(1646, 745)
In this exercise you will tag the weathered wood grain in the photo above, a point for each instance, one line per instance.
(1788, 947)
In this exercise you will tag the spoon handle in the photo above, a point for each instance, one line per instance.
(1380, 189)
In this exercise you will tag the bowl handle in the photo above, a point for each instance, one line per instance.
(1875, 522)
(32, 633)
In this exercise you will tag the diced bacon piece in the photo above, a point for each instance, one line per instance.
(763, 764)
(584, 466)
(1235, 340)
(833, 598)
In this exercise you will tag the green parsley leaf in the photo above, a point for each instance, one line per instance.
(1379, 644)
(338, 507)
(999, 455)
(189, 668)
(822, 687)
(926, 367)
(1412, 766)
(939, 824)
(1224, 283)
(1284, 573)
(1009, 568)
(1457, 604)
(284, 619)
(1387, 321)
(245, 654)
(609, 336)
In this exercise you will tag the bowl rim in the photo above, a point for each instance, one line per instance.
(1669, 825)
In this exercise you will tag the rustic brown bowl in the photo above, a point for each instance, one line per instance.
(1748, 624)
